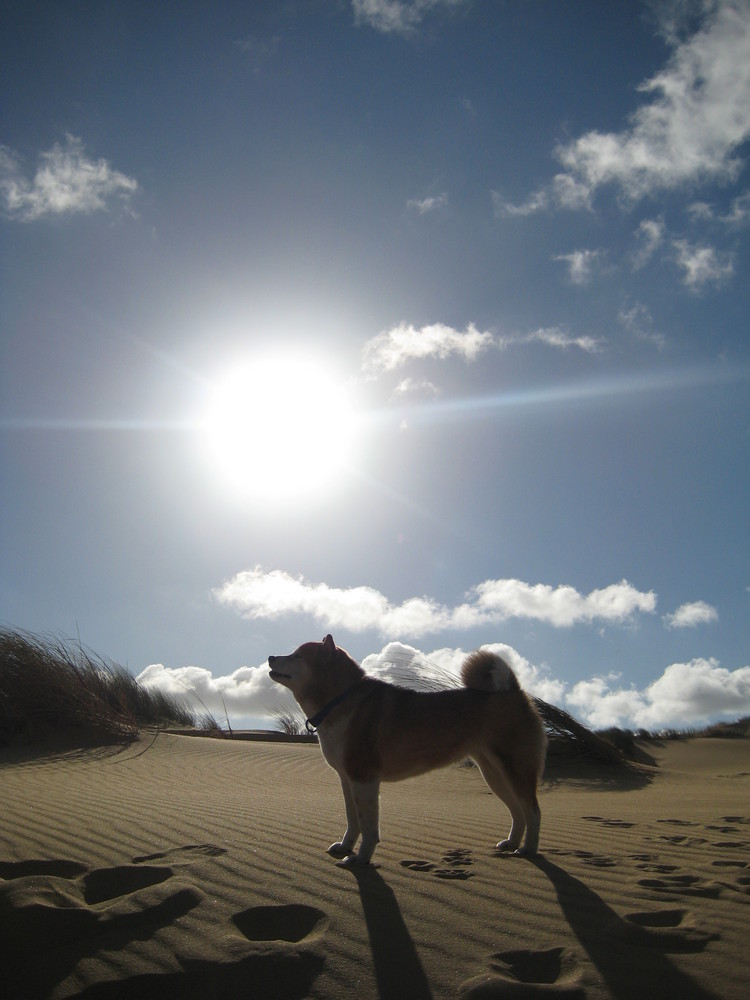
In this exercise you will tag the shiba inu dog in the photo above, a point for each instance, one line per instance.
(371, 731)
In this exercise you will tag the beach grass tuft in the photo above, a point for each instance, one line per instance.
(48, 683)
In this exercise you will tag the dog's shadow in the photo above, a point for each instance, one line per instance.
(629, 971)
(398, 969)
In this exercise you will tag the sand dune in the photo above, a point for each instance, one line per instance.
(183, 867)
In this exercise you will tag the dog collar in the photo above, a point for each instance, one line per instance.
(311, 725)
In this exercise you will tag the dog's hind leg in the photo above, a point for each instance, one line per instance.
(494, 774)
(345, 847)
(523, 780)
(519, 795)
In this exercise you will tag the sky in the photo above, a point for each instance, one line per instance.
(420, 323)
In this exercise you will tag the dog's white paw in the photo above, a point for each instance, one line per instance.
(354, 861)
(340, 851)
(507, 845)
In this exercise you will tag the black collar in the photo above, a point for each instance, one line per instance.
(311, 725)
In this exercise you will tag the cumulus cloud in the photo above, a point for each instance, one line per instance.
(425, 205)
(66, 181)
(561, 606)
(692, 614)
(397, 16)
(685, 694)
(258, 594)
(402, 664)
(247, 691)
(581, 264)
(696, 119)
(702, 265)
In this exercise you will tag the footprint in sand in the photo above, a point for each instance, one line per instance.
(623, 824)
(456, 861)
(106, 884)
(61, 913)
(677, 822)
(681, 839)
(587, 857)
(55, 917)
(672, 930)
(527, 974)
(662, 869)
(294, 923)
(684, 885)
(22, 869)
(418, 866)
(183, 855)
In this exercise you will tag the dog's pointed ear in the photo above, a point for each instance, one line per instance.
(329, 645)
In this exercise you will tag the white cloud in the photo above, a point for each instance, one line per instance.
(581, 264)
(246, 691)
(739, 213)
(561, 606)
(66, 181)
(689, 132)
(702, 265)
(563, 192)
(692, 614)
(401, 664)
(397, 16)
(552, 336)
(425, 205)
(415, 387)
(396, 347)
(392, 348)
(257, 594)
(637, 319)
(650, 236)
(685, 694)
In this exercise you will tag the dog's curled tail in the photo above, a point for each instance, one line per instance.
(486, 671)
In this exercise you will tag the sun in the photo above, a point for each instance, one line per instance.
(278, 428)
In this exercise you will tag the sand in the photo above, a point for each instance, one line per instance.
(194, 867)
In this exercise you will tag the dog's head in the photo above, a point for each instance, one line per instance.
(315, 671)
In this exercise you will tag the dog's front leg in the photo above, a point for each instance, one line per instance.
(366, 797)
(345, 847)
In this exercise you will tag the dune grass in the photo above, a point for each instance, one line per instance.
(49, 684)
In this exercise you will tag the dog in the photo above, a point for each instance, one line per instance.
(371, 731)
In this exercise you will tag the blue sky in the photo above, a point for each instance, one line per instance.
(422, 323)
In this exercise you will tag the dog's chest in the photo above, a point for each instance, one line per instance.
(332, 739)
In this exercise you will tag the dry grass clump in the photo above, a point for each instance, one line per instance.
(51, 684)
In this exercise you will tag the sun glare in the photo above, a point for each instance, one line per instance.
(278, 429)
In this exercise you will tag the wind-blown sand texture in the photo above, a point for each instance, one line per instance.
(196, 868)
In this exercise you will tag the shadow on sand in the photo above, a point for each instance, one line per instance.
(398, 970)
(628, 968)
